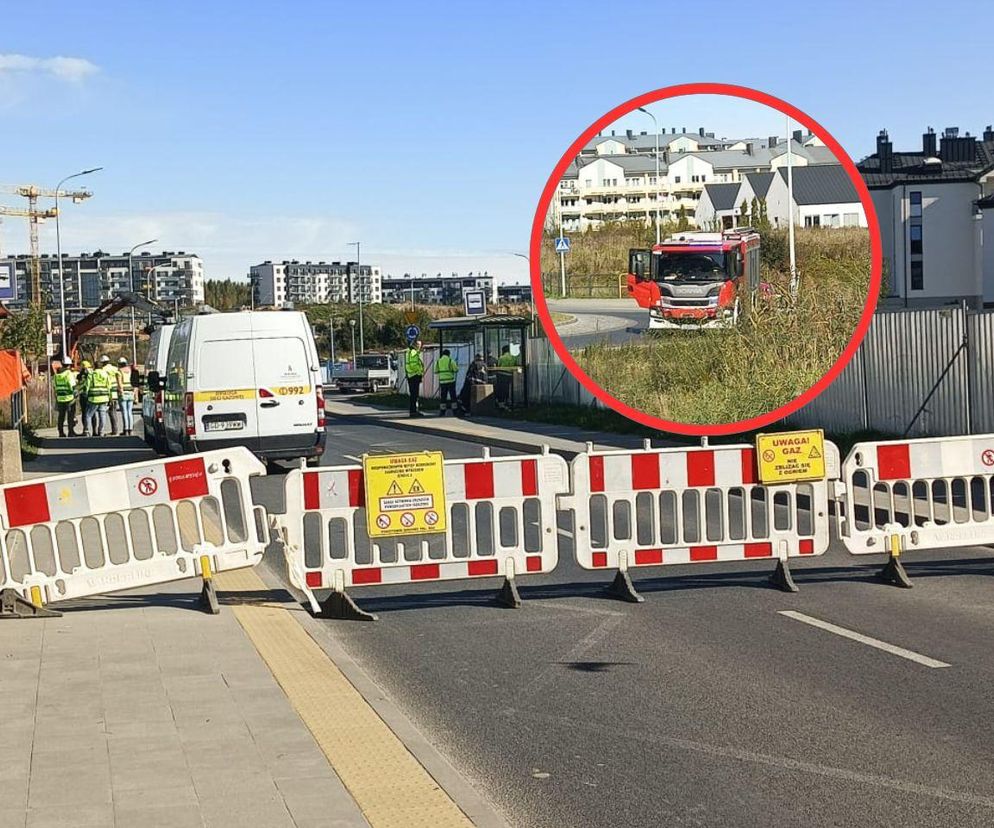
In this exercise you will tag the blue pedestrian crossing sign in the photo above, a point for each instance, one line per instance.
(413, 332)
(562, 244)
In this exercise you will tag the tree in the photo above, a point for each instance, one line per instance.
(227, 294)
(24, 331)
(744, 211)
(682, 223)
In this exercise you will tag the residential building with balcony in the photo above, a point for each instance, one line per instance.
(291, 282)
(437, 289)
(614, 178)
(170, 278)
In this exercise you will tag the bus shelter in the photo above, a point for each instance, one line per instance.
(488, 336)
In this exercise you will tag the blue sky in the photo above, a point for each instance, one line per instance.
(426, 131)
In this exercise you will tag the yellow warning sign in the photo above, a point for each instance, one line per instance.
(410, 316)
(224, 395)
(791, 456)
(389, 511)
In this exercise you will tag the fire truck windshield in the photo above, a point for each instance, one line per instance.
(691, 267)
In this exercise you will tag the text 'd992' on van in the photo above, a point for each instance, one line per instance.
(244, 379)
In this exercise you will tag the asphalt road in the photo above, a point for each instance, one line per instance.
(610, 321)
(704, 705)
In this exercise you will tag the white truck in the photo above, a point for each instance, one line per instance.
(372, 372)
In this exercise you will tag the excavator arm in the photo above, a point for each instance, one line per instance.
(105, 311)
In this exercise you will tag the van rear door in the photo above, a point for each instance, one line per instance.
(286, 401)
(225, 399)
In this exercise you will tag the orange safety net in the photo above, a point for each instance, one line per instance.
(13, 373)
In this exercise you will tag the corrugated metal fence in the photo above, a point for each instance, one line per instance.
(919, 373)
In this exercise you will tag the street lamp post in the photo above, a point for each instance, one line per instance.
(58, 245)
(131, 280)
(352, 323)
(655, 128)
(358, 267)
(331, 322)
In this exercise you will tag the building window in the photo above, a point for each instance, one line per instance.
(676, 179)
(850, 220)
(916, 204)
(917, 275)
(916, 239)
(812, 221)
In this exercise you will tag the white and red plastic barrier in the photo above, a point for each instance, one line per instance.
(501, 522)
(928, 493)
(653, 507)
(76, 535)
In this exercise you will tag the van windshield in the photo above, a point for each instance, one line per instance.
(226, 363)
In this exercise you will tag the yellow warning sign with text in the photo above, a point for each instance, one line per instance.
(405, 493)
(224, 395)
(791, 456)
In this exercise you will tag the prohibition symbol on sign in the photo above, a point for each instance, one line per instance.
(147, 486)
(407, 519)
(988, 457)
(769, 456)
(431, 517)
(383, 521)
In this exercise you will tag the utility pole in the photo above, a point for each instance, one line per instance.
(655, 128)
(790, 214)
(358, 267)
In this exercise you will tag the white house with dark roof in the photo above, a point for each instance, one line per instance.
(720, 206)
(934, 206)
(823, 196)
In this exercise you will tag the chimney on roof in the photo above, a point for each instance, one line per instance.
(885, 152)
(798, 136)
(643, 133)
(749, 148)
(683, 130)
(673, 130)
(928, 143)
(628, 132)
(700, 131)
(612, 132)
(772, 141)
(710, 135)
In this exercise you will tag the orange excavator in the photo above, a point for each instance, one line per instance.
(78, 329)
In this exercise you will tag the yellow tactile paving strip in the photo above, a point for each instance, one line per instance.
(386, 781)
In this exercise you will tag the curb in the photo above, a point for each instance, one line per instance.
(466, 797)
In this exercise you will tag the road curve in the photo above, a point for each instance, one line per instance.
(610, 321)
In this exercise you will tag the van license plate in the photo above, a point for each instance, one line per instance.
(224, 425)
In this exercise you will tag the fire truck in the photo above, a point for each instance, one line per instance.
(696, 280)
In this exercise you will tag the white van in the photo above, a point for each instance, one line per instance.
(158, 350)
(250, 378)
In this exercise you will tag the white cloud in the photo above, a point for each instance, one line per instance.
(70, 69)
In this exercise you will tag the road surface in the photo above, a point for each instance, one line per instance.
(612, 321)
(706, 705)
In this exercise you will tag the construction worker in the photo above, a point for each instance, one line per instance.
(507, 367)
(98, 396)
(82, 383)
(446, 369)
(414, 370)
(476, 374)
(113, 406)
(65, 399)
(126, 394)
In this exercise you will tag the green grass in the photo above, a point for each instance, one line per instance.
(770, 358)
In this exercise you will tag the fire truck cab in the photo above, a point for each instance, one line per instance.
(692, 280)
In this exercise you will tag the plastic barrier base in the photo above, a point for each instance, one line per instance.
(894, 573)
(623, 589)
(340, 606)
(208, 598)
(508, 595)
(13, 605)
(781, 577)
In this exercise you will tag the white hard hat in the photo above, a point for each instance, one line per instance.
(105, 358)
(122, 361)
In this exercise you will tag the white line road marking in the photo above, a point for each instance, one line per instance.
(352, 457)
(911, 655)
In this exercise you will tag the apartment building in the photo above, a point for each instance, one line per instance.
(291, 282)
(514, 293)
(935, 206)
(614, 178)
(170, 278)
(437, 289)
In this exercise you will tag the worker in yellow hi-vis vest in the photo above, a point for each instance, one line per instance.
(507, 367)
(98, 396)
(414, 370)
(446, 369)
(65, 399)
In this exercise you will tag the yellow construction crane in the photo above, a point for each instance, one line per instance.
(35, 216)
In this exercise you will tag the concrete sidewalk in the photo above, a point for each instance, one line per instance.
(514, 435)
(140, 710)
